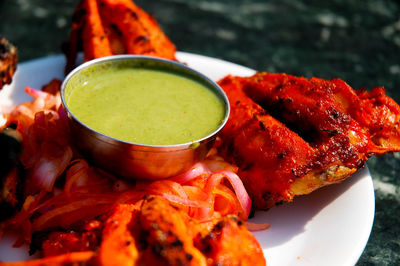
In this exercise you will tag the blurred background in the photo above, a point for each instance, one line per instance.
(357, 41)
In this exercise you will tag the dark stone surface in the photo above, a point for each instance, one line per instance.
(358, 41)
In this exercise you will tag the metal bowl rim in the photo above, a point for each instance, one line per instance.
(180, 146)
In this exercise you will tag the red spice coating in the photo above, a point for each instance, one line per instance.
(285, 129)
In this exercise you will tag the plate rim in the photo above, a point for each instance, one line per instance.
(60, 58)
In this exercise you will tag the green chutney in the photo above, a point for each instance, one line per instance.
(146, 106)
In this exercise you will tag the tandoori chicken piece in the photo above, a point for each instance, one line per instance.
(315, 100)
(85, 237)
(230, 243)
(107, 27)
(160, 233)
(8, 61)
(249, 136)
(291, 135)
(118, 246)
(166, 235)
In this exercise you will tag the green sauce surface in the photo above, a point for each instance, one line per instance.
(146, 106)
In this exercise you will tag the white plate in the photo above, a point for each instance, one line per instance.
(328, 227)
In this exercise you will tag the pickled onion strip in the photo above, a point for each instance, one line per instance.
(48, 169)
(216, 163)
(43, 100)
(73, 211)
(76, 174)
(62, 113)
(195, 192)
(195, 171)
(174, 192)
(187, 202)
(225, 199)
(207, 209)
(164, 187)
(237, 185)
(212, 182)
(35, 93)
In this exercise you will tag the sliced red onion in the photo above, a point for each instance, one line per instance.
(47, 171)
(187, 202)
(216, 163)
(238, 187)
(62, 113)
(35, 93)
(197, 170)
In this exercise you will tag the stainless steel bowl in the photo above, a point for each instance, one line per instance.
(133, 160)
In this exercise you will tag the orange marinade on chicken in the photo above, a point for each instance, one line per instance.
(230, 243)
(291, 135)
(249, 137)
(160, 233)
(109, 27)
(118, 244)
(165, 236)
(153, 231)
